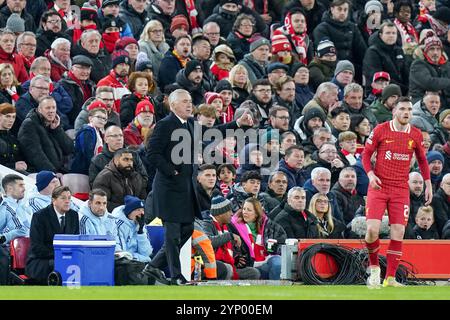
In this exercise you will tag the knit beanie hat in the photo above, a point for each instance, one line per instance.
(144, 106)
(223, 85)
(132, 203)
(43, 179)
(120, 56)
(430, 42)
(191, 66)
(111, 21)
(123, 42)
(313, 113)
(143, 62)
(219, 205)
(179, 21)
(211, 96)
(88, 13)
(373, 5)
(426, 33)
(344, 65)
(15, 23)
(280, 43)
(434, 155)
(442, 115)
(389, 91)
(97, 104)
(324, 47)
(258, 43)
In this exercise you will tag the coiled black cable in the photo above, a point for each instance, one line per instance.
(351, 264)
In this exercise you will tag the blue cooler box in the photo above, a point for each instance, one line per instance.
(84, 260)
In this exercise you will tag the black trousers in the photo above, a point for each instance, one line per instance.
(175, 236)
(4, 266)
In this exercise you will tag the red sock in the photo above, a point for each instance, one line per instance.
(393, 255)
(373, 249)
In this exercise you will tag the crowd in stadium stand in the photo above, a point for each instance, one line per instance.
(83, 84)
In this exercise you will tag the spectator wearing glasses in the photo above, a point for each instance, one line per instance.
(89, 140)
(114, 141)
(211, 30)
(153, 42)
(327, 157)
(242, 35)
(279, 119)
(26, 48)
(39, 87)
(50, 30)
(262, 95)
(163, 11)
(105, 95)
(328, 226)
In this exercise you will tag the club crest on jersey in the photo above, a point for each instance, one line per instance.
(410, 144)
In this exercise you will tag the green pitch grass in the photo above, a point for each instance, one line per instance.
(296, 292)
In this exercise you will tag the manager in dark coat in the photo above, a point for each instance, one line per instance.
(57, 218)
(174, 198)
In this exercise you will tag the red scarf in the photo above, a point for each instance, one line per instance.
(258, 248)
(227, 116)
(297, 39)
(225, 252)
(192, 13)
(109, 39)
(86, 90)
(141, 96)
(442, 60)
(122, 81)
(13, 93)
(224, 188)
(407, 31)
(27, 61)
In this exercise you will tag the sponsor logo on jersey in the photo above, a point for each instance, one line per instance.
(389, 155)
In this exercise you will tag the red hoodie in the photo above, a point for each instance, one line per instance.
(17, 62)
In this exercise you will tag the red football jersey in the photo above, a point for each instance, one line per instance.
(394, 154)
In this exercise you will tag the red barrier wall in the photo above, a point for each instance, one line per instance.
(430, 258)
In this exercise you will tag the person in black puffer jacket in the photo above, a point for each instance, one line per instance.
(135, 16)
(343, 33)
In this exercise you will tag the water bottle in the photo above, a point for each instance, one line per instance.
(198, 268)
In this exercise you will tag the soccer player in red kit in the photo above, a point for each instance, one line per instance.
(394, 142)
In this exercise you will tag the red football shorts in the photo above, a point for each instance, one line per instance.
(395, 202)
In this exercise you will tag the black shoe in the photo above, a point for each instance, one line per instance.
(155, 273)
(181, 281)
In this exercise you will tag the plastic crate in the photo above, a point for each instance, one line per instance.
(84, 260)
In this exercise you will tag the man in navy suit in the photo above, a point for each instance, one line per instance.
(174, 198)
(57, 218)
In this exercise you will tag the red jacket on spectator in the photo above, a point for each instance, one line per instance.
(120, 88)
(17, 62)
(132, 134)
(57, 68)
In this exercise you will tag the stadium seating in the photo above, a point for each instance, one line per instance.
(19, 250)
(78, 184)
